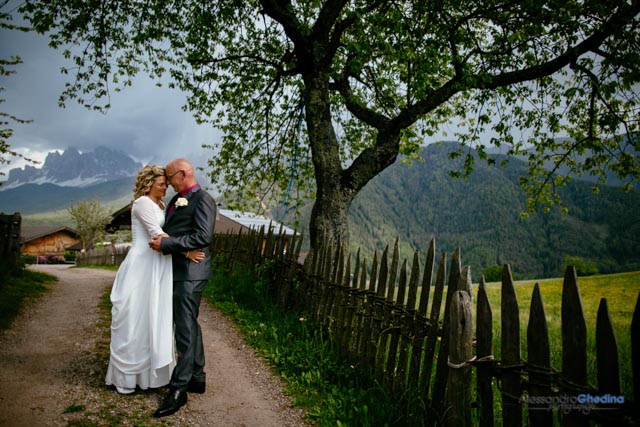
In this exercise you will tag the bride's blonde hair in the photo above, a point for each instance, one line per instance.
(145, 179)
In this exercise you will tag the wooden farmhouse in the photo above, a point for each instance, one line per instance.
(48, 240)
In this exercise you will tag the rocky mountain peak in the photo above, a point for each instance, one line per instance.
(72, 168)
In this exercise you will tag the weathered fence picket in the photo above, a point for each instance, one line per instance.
(10, 226)
(440, 381)
(484, 353)
(434, 330)
(608, 364)
(574, 343)
(460, 352)
(539, 361)
(510, 347)
(635, 356)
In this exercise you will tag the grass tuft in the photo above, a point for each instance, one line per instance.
(74, 408)
(18, 289)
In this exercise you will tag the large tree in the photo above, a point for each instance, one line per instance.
(375, 78)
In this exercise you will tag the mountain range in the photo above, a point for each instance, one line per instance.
(413, 203)
(66, 178)
(71, 168)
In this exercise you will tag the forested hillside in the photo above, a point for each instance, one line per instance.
(481, 216)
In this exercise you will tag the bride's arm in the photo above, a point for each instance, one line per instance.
(145, 211)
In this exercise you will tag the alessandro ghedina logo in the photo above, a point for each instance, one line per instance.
(583, 403)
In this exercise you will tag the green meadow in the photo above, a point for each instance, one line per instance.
(621, 292)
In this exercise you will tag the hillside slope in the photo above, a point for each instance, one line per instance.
(481, 216)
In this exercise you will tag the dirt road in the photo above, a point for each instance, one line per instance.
(52, 366)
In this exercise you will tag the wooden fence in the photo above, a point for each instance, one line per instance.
(10, 240)
(107, 255)
(389, 318)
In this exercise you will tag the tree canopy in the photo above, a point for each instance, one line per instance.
(90, 219)
(375, 79)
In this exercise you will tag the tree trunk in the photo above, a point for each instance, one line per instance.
(337, 187)
(328, 223)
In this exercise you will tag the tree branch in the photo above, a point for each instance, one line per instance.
(282, 12)
(411, 113)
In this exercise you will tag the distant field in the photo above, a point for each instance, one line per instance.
(62, 217)
(621, 292)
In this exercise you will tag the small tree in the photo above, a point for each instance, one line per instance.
(90, 219)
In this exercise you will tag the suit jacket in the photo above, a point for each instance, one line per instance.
(190, 227)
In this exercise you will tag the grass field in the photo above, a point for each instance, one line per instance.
(621, 292)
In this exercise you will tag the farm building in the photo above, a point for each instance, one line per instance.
(47, 240)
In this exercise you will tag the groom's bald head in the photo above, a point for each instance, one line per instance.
(180, 174)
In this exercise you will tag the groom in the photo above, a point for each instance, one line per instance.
(190, 220)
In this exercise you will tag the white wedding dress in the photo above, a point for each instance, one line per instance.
(142, 313)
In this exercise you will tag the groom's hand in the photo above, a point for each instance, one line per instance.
(155, 242)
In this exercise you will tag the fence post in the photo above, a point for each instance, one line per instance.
(539, 363)
(635, 356)
(440, 382)
(460, 350)
(574, 343)
(484, 350)
(608, 364)
(422, 326)
(510, 348)
(10, 237)
(432, 337)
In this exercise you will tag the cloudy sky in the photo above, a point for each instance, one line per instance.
(144, 121)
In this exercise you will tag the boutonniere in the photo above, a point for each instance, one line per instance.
(182, 201)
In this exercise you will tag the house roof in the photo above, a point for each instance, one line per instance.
(252, 221)
(29, 233)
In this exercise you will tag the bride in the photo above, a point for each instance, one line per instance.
(142, 314)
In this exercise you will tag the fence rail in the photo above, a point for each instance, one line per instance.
(386, 316)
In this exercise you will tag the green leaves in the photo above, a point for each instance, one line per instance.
(90, 218)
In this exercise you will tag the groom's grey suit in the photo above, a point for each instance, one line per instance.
(190, 227)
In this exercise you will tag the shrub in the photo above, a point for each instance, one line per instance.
(492, 274)
(584, 267)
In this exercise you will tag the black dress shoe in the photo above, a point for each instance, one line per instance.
(196, 386)
(174, 401)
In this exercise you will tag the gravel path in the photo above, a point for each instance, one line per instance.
(54, 357)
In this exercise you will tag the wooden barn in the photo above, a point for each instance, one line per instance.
(47, 240)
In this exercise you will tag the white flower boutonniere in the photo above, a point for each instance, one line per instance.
(181, 202)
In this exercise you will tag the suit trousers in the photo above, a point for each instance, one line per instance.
(186, 307)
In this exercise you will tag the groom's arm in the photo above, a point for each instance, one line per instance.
(204, 217)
